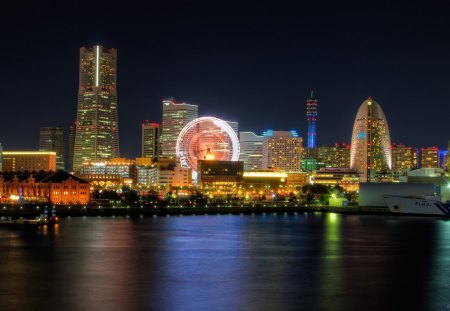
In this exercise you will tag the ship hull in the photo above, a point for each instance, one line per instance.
(419, 206)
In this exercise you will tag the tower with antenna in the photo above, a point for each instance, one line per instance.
(311, 117)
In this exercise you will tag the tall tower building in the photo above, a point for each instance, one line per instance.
(370, 151)
(175, 117)
(251, 150)
(150, 140)
(52, 139)
(282, 150)
(97, 131)
(311, 117)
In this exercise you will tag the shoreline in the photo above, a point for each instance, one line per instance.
(63, 211)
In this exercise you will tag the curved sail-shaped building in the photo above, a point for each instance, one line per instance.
(371, 143)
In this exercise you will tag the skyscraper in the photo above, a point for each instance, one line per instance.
(52, 139)
(97, 132)
(251, 150)
(311, 117)
(175, 117)
(150, 140)
(282, 150)
(370, 151)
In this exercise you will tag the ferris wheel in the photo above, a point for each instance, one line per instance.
(206, 138)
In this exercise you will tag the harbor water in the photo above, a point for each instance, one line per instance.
(304, 261)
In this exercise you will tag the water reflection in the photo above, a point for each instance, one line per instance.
(259, 262)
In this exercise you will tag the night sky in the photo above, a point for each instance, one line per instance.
(251, 62)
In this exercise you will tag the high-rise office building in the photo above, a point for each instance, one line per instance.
(403, 158)
(234, 125)
(150, 140)
(282, 150)
(72, 131)
(251, 150)
(311, 117)
(52, 139)
(429, 157)
(175, 117)
(97, 131)
(337, 156)
(371, 143)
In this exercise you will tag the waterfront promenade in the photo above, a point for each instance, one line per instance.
(65, 210)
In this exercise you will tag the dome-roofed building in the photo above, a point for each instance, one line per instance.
(371, 142)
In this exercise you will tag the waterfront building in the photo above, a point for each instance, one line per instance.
(150, 133)
(176, 177)
(106, 181)
(117, 166)
(220, 174)
(52, 139)
(403, 158)
(295, 180)
(337, 156)
(29, 161)
(251, 150)
(429, 157)
(282, 150)
(146, 176)
(311, 117)
(371, 143)
(97, 130)
(347, 178)
(175, 117)
(264, 184)
(43, 187)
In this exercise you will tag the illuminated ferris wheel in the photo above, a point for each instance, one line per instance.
(206, 138)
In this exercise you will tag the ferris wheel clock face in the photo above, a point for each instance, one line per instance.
(207, 138)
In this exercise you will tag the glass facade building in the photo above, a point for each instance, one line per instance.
(97, 130)
(175, 117)
(150, 140)
(251, 150)
(52, 139)
(371, 142)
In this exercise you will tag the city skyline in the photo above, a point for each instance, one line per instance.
(247, 84)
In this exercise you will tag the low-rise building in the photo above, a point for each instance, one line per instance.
(14, 161)
(43, 187)
(346, 178)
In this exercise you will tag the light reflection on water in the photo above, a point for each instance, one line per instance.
(258, 262)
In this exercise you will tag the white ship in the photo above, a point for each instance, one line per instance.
(426, 205)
